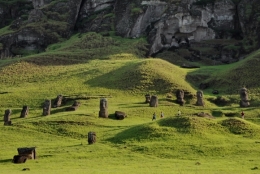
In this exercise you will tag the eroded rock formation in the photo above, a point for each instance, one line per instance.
(167, 24)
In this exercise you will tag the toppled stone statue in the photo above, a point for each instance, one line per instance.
(74, 106)
(200, 101)
(180, 97)
(147, 98)
(103, 108)
(91, 137)
(244, 102)
(154, 101)
(46, 108)
(28, 152)
(58, 101)
(17, 159)
(7, 117)
(119, 115)
(24, 112)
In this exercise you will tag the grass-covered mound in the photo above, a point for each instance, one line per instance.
(185, 137)
(151, 75)
(229, 79)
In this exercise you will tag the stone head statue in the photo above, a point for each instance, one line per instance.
(180, 96)
(103, 103)
(243, 94)
(244, 98)
(200, 101)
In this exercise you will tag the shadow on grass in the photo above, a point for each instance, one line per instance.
(58, 110)
(6, 161)
(112, 116)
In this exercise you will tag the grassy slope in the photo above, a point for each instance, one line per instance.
(171, 145)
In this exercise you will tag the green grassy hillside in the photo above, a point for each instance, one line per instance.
(86, 73)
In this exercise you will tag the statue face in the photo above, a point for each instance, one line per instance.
(180, 94)
(243, 93)
(199, 94)
(103, 103)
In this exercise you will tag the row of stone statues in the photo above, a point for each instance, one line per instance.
(244, 101)
(103, 111)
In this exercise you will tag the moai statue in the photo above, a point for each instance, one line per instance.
(180, 97)
(91, 137)
(103, 112)
(24, 112)
(244, 102)
(58, 101)
(200, 101)
(74, 106)
(147, 98)
(7, 117)
(46, 108)
(154, 101)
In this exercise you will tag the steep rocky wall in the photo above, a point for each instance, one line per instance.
(46, 23)
(166, 24)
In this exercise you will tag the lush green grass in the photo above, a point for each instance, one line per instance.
(185, 144)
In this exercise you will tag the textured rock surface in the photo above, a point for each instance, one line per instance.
(167, 25)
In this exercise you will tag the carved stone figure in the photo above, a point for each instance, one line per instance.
(154, 101)
(147, 98)
(120, 115)
(46, 108)
(19, 159)
(180, 97)
(91, 137)
(7, 117)
(58, 101)
(74, 106)
(200, 101)
(244, 102)
(103, 112)
(24, 112)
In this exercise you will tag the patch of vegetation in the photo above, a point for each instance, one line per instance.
(136, 11)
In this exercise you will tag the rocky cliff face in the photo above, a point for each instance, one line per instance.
(229, 28)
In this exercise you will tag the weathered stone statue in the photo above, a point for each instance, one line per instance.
(7, 117)
(91, 137)
(154, 101)
(119, 115)
(58, 101)
(180, 97)
(103, 112)
(200, 101)
(244, 102)
(24, 112)
(74, 106)
(147, 98)
(46, 108)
